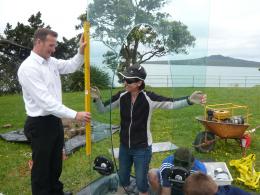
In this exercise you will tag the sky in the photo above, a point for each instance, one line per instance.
(234, 27)
(226, 27)
(60, 15)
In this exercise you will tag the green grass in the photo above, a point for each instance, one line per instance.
(177, 126)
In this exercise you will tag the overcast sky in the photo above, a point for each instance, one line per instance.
(226, 27)
(59, 14)
(235, 28)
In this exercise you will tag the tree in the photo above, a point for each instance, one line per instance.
(14, 48)
(128, 25)
(16, 45)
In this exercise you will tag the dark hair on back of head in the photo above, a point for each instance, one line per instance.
(42, 33)
(142, 86)
(184, 154)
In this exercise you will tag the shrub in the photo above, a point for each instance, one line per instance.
(75, 81)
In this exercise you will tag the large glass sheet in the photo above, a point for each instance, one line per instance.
(150, 35)
(171, 41)
(130, 33)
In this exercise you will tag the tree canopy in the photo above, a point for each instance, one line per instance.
(126, 26)
(15, 46)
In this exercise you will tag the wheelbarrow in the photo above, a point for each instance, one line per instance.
(226, 121)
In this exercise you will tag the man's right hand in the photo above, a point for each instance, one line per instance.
(83, 116)
(82, 44)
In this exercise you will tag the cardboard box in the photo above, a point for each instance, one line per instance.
(219, 172)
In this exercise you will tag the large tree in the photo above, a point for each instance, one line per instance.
(116, 23)
(15, 46)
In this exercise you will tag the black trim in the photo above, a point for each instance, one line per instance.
(188, 100)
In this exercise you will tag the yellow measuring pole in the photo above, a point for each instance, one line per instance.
(87, 83)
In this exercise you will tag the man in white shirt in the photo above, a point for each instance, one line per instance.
(39, 76)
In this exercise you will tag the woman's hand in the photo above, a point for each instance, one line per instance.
(95, 93)
(197, 97)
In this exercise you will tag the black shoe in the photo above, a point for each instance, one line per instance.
(67, 193)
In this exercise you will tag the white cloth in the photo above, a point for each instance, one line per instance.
(41, 85)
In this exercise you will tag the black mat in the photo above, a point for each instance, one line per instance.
(99, 131)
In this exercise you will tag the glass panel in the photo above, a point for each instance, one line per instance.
(144, 38)
(128, 34)
(171, 42)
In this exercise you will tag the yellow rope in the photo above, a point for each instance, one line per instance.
(246, 167)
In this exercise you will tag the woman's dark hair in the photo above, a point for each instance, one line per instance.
(142, 86)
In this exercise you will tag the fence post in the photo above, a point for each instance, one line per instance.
(219, 81)
(245, 80)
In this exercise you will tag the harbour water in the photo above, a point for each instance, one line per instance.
(201, 76)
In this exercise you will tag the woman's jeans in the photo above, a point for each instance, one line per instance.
(141, 158)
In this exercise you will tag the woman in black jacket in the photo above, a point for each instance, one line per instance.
(136, 106)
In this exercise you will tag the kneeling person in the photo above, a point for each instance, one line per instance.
(158, 178)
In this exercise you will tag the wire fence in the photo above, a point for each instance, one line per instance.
(202, 81)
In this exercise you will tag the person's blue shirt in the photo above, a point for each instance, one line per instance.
(168, 163)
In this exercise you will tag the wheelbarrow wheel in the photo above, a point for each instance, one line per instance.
(204, 142)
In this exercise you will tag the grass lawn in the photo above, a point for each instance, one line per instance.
(177, 126)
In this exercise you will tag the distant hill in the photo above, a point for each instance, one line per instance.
(214, 60)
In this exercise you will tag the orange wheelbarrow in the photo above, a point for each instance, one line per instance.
(227, 121)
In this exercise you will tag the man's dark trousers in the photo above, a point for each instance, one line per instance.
(47, 139)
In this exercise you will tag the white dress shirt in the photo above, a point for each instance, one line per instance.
(41, 85)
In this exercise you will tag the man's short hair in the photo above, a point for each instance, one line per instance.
(183, 157)
(199, 184)
(42, 33)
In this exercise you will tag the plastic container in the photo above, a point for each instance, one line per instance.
(219, 172)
